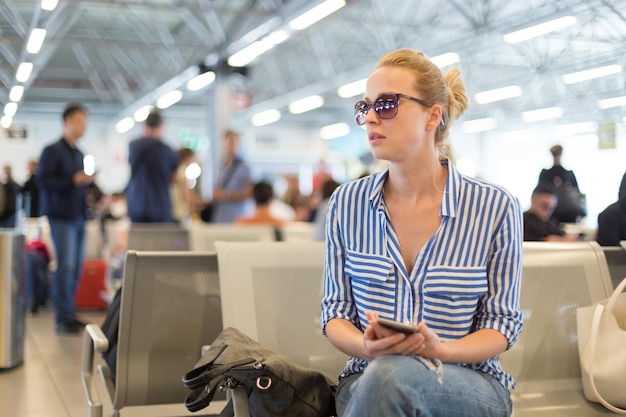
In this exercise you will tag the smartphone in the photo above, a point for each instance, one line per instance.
(397, 326)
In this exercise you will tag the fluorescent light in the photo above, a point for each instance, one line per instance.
(266, 117)
(540, 29)
(479, 125)
(142, 114)
(169, 99)
(352, 89)
(5, 121)
(248, 54)
(10, 109)
(17, 91)
(35, 40)
(316, 14)
(306, 104)
(125, 125)
(498, 94)
(258, 48)
(49, 4)
(542, 114)
(608, 103)
(336, 130)
(200, 81)
(575, 128)
(24, 71)
(446, 59)
(577, 77)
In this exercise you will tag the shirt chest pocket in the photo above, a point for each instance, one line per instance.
(456, 287)
(371, 274)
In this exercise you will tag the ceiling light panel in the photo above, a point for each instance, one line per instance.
(200, 81)
(306, 104)
(498, 94)
(266, 117)
(169, 99)
(480, 125)
(333, 131)
(590, 74)
(24, 71)
(542, 114)
(316, 14)
(609, 103)
(540, 29)
(446, 59)
(16, 93)
(35, 40)
(352, 89)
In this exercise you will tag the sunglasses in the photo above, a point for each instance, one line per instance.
(385, 106)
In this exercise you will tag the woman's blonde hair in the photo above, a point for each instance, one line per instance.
(434, 87)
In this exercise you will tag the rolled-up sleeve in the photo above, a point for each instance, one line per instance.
(500, 306)
(337, 301)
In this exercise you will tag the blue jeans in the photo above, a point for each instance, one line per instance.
(404, 386)
(68, 237)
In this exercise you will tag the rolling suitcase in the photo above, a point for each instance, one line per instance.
(91, 287)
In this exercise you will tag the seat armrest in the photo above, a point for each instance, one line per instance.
(100, 341)
(94, 340)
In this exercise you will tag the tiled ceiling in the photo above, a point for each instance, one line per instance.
(113, 55)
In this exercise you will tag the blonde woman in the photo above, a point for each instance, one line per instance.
(421, 244)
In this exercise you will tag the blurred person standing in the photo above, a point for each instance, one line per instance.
(538, 225)
(10, 193)
(612, 220)
(63, 196)
(30, 191)
(570, 207)
(185, 201)
(234, 184)
(152, 168)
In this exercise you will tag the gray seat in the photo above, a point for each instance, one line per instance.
(616, 259)
(557, 278)
(170, 308)
(158, 237)
(272, 291)
(203, 236)
(298, 232)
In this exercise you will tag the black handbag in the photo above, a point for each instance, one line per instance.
(277, 386)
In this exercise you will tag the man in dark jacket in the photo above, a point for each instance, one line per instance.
(612, 221)
(30, 190)
(63, 184)
(10, 191)
(538, 226)
(152, 168)
(570, 206)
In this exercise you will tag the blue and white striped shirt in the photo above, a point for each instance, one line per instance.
(466, 277)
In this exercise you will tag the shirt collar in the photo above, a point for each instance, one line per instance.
(451, 195)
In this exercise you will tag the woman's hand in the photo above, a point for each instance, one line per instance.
(380, 341)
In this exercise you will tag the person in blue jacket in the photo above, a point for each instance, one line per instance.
(63, 188)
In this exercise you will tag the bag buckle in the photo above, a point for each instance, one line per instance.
(263, 383)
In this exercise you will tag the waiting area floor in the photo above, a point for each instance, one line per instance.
(48, 383)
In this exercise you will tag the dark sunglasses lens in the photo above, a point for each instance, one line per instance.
(386, 107)
(360, 111)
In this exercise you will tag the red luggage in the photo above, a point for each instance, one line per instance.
(91, 287)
